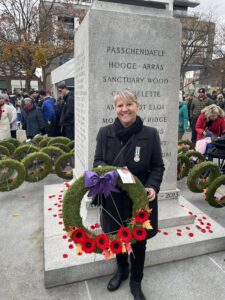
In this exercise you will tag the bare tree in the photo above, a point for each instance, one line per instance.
(197, 43)
(31, 37)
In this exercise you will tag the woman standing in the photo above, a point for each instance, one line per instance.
(127, 142)
(6, 118)
(183, 117)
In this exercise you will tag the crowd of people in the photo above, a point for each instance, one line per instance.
(37, 112)
(202, 113)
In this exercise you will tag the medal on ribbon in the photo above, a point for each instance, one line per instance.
(137, 154)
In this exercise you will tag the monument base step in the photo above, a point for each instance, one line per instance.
(63, 265)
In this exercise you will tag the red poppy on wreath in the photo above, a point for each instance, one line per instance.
(88, 246)
(139, 234)
(141, 216)
(124, 234)
(102, 241)
(78, 236)
(116, 246)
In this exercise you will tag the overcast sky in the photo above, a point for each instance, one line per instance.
(217, 7)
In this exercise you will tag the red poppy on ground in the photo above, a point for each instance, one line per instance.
(65, 255)
(191, 234)
(102, 241)
(78, 235)
(116, 246)
(139, 234)
(92, 227)
(165, 233)
(97, 225)
(141, 216)
(124, 234)
(88, 246)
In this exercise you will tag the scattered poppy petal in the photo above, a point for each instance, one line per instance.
(190, 234)
(65, 255)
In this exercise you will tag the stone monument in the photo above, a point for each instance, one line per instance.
(127, 46)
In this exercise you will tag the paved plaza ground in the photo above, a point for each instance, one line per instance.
(22, 258)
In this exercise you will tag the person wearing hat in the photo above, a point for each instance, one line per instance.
(197, 105)
(220, 101)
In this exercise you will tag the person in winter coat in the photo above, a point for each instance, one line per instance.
(183, 118)
(48, 112)
(32, 120)
(13, 125)
(210, 122)
(141, 154)
(197, 104)
(6, 119)
(66, 121)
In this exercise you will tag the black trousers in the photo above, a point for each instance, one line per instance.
(194, 133)
(137, 260)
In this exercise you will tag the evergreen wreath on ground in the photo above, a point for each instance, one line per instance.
(44, 142)
(12, 174)
(4, 150)
(38, 166)
(59, 139)
(70, 145)
(54, 153)
(13, 141)
(37, 138)
(210, 192)
(64, 166)
(11, 148)
(201, 176)
(183, 166)
(107, 244)
(61, 146)
(22, 151)
(195, 157)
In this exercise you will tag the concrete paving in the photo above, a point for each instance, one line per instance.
(22, 261)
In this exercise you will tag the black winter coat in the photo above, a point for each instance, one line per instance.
(149, 171)
(32, 121)
(67, 114)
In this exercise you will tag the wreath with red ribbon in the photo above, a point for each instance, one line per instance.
(104, 180)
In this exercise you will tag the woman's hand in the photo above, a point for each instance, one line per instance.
(151, 194)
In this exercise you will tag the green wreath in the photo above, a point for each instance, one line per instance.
(44, 142)
(3, 157)
(61, 146)
(9, 146)
(183, 166)
(201, 176)
(12, 174)
(64, 166)
(38, 166)
(210, 193)
(54, 153)
(198, 155)
(24, 150)
(37, 138)
(4, 151)
(60, 139)
(70, 145)
(76, 192)
(13, 141)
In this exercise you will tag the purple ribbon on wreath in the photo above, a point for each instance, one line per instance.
(104, 184)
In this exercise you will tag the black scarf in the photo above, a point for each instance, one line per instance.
(124, 133)
(208, 123)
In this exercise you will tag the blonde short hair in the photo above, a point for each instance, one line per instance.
(213, 110)
(127, 95)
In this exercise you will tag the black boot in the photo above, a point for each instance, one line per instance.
(121, 274)
(136, 291)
